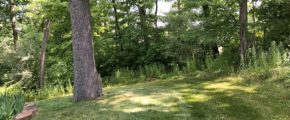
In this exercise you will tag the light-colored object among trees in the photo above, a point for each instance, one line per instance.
(43, 52)
(86, 80)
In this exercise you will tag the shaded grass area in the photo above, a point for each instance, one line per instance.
(190, 97)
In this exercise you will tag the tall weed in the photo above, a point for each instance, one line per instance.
(264, 65)
(10, 105)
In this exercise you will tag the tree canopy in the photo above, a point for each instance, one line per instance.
(131, 34)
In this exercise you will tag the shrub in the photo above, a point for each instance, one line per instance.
(10, 105)
(47, 92)
(190, 65)
(275, 55)
(124, 76)
(265, 65)
(220, 64)
(152, 71)
(128, 76)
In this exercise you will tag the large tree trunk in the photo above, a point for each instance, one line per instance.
(87, 84)
(43, 51)
(12, 8)
(243, 29)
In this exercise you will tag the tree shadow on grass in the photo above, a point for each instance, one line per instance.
(189, 98)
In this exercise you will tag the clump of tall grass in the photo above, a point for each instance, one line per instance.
(129, 76)
(152, 71)
(190, 65)
(10, 105)
(124, 76)
(219, 64)
(13, 89)
(266, 64)
(47, 92)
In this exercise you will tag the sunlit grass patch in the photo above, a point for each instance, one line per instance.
(179, 97)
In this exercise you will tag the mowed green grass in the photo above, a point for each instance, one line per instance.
(177, 98)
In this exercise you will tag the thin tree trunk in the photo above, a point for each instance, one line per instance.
(156, 13)
(12, 8)
(264, 36)
(117, 26)
(128, 10)
(87, 83)
(43, 52)
(142, 15)
(179, 23)
(178, 6)
(206, 10)
(243, 30)
(254, 22)
(143, 26)
(215, 51)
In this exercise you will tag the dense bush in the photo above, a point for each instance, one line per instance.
(220, 64)
(267, 64)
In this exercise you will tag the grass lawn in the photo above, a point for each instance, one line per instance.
(177, 98)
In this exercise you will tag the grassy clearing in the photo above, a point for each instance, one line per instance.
(178, 98)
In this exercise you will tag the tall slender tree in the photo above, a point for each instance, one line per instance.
(156, 13)
(43, 51)
(254, 21)
(243, 29)
(12, 9)
(142, 23)
(178, 6)
(86, 81)
(117, 26)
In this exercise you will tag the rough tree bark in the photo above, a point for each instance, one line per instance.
(12, 9)
(87, 83)
(43, 52)
(243, 29)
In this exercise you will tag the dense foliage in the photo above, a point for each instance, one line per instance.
(130, 45)
(10, 105)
